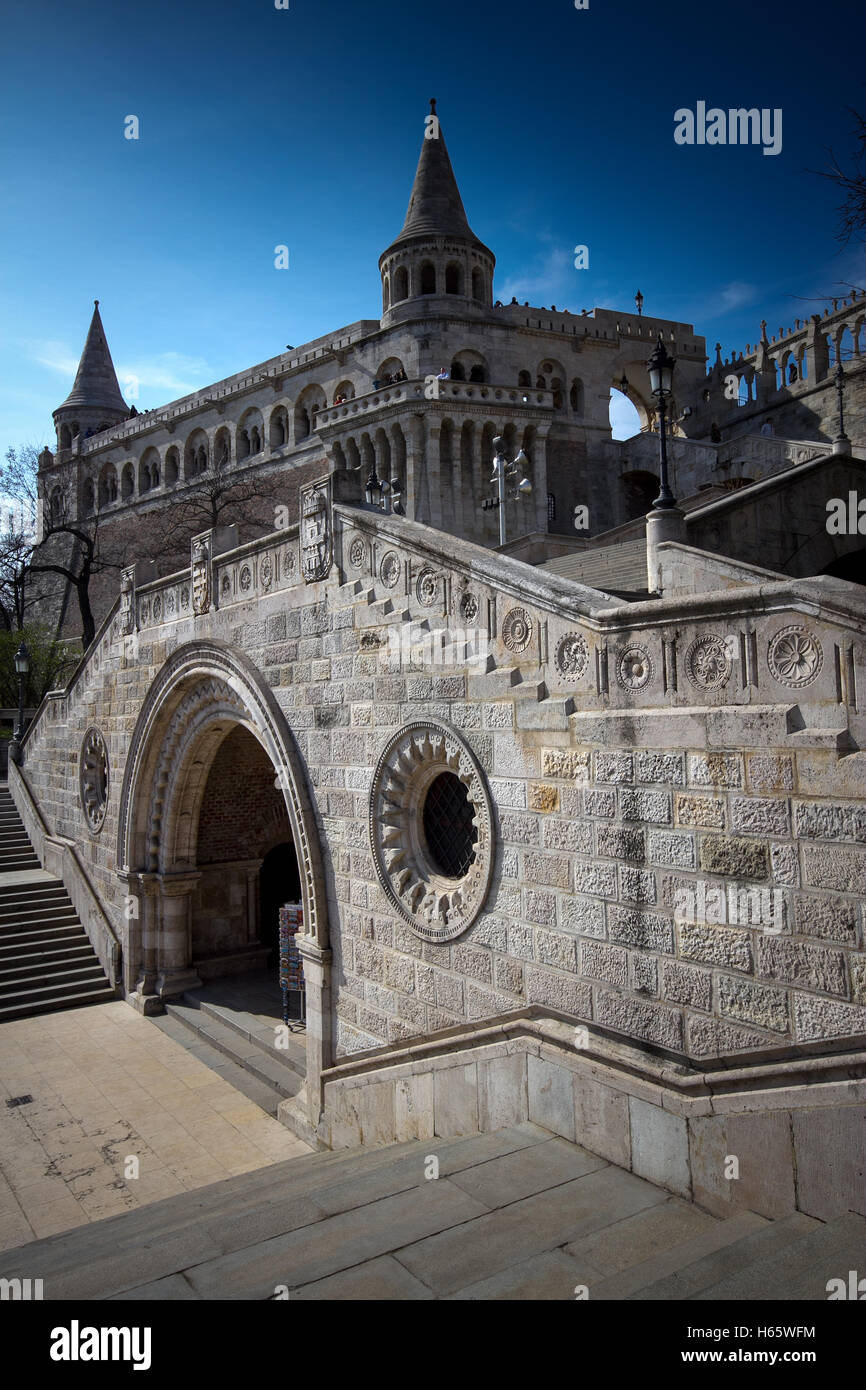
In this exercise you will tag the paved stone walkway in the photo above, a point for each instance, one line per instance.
(106, 1084)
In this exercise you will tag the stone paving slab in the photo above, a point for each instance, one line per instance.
(107, 1085)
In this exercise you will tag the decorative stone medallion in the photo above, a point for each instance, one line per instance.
(266, 571)
(288, 563)
(517, 630)
(357, 553)
(246, 578)
(468, 607)
(634, 667)
(144, 613)
(571, 655)
(431, 829)
(157, 608)
(795, 656)
(389, 570)
(225, 583)
(708, 665)
(427, 588)
(93, 778)
(184, 596)
(170, 603)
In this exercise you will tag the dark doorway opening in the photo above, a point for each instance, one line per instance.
(851, 567)
(279, 882)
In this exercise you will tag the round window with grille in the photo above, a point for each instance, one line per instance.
(431, 829)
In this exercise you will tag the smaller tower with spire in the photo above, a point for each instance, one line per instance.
(95, 402)
(437, 256)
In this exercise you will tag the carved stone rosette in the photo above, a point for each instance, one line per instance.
(795, 656)
(93, 778)
(634, 667)
(708, 665)
(201, 573)
(436, 907)
(571, 655)
(316, 540)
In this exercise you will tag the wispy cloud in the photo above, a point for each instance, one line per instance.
(58, 357)
(164, 375)
(545, 278)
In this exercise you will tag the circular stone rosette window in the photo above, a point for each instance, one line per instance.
(431, 830)
(795, 656)
(93, 778)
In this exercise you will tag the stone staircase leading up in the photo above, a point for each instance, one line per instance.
(513, 1215)
(46, 959)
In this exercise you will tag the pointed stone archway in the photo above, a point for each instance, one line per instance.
(204, 690)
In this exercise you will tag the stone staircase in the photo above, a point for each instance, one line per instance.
(237, 1044)
(46, 959)
(515, 1214)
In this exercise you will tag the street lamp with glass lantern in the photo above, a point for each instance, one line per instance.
(661, 371)
(638, 299)
(502, 471)
(22, 666)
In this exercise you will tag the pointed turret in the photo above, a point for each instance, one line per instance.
(95, 402)
(436, 254)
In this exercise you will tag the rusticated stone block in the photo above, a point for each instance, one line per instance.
(842, 869)
(639, 1018)
(602, 962)
(816, 1018)
(637, 885)
(621, 842)
(567, 995)
(715, 770)
(752, 815)
(498, 716)
(769, 773)
(730, 854)
(478, 965)
(599, 802)
(785, 864)
(553, 948)
(821, 820)
(642, 804)
(725, 946)
(672, 850)
(710, 1037)
(687, 984)
(661, 767)
(568, 763)
(508, 795)
(543, 797)
(489, 931)
(508, 975)
(643, 972)
(758, 1004)
(572, 835)
(595, 878)
(584, 916)
(539, 907)
(646, 930)
(519, 829)
(614, 767)
(484, 1003)
(830, 919)
(425, 983)
(449, 992)
(707, 812)
(550, 869)
(520, 941)
(400, 974)
(813, 967)
(857, 966)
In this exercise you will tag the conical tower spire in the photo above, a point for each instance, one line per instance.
(435, 205)
(96, 380)
(436, 254)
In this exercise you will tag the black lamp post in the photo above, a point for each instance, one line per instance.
(638, 299)
(22, 666)
(373, 492)
(661, 371)
(623, 385)
(839, 378)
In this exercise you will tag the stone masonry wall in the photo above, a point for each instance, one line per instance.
(638, 758)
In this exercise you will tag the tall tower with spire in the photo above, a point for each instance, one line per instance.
(437, 256)
(95, 402)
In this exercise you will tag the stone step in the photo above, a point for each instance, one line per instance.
(248, 1055)
(494, 683)
(40, 912)
(803, 1267)
(48, 1003)
(770, 1241)
(552, 713)
(37, 936)
(628, 1283)
(38, 889)
(39, 961)
(250, 1028)
(57, 982)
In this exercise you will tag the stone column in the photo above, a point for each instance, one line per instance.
(434, 471)
(253, 905)
(662, 525)
(317, 979)
(414, 484)
(141, 940)
(175, 938)
(538, 459)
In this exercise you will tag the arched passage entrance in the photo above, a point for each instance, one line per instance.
(213, 771)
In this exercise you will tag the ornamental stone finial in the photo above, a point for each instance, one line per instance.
(432, 106)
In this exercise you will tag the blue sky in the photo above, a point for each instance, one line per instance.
(302, 127)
